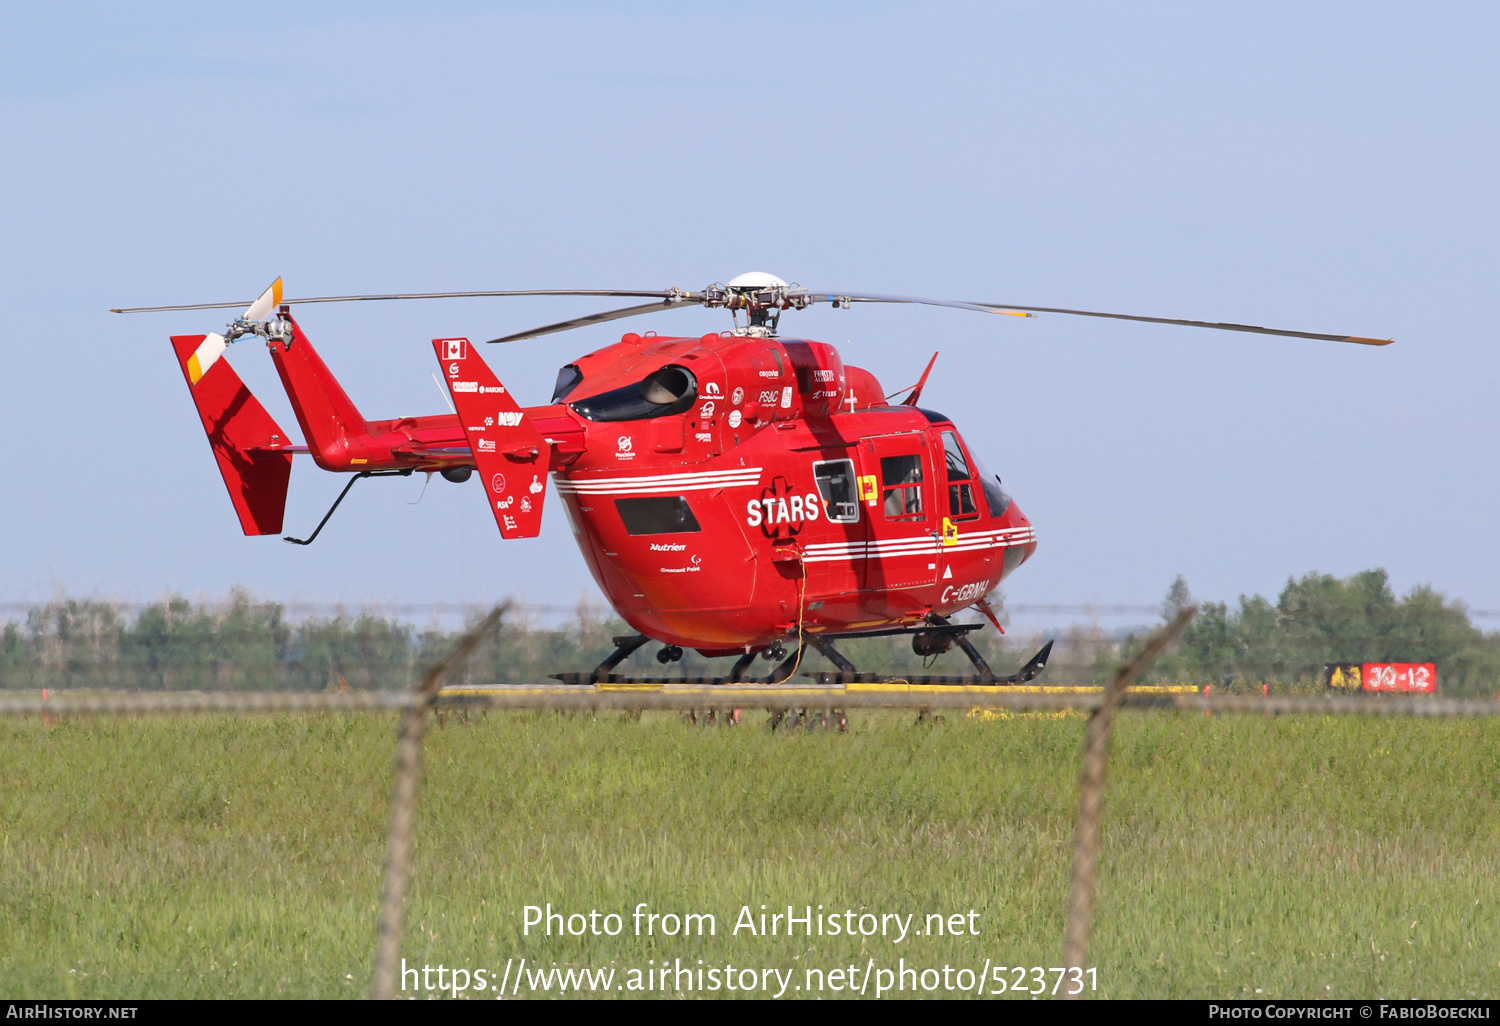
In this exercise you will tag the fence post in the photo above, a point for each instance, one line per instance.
(1091, 793)
(404, 806)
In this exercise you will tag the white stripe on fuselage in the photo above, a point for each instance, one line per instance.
(661, 482)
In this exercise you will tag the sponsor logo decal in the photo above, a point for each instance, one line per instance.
(707, 409)
(504, 419)
(735, 417)
(466, 386)
(786, 398)
(788, 509)
(822, 375)
(453, 370)
(491, 389)
(486, 445)
(704, 436)
(536, 485)
(768, 397)
(525, 505)
(738, 396)
(668, 547)
(497, 483)
(625, 446)
(770, 374)
(712, 388)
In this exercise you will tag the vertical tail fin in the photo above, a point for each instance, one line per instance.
(244, 437)
(509, 452)
(336, 433)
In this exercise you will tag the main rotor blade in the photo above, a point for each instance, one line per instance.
(1017, 310)
(1218, 325)
(656, 293)
(875, 297)
(686, 299)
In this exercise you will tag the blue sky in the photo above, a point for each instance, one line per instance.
(1323, 166)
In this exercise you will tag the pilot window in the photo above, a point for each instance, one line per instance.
(961, 501)
(902, 480)
(836, 484)
(657, 514)
(960, 489)
(958, 468)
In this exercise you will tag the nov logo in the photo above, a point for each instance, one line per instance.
(503, 419)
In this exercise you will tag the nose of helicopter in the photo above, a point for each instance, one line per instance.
(1020, 538)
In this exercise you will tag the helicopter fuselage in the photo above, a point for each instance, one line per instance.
(726, 491)
(774, 487)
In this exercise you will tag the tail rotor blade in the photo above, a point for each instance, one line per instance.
(268, 301)
(205, 356)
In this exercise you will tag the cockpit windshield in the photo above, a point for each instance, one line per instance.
(995, 495)
(669, 390)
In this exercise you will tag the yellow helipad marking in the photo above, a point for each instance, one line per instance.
(723, 691)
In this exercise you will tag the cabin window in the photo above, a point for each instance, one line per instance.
(836, 484)
(657, 514)
(902, 480)
(669, 390)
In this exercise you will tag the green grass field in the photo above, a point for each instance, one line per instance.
(1250, 856)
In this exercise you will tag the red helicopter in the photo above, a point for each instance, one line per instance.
(731, 493)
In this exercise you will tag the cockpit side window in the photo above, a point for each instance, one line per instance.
(958, 467)
(669, 390)
(960, 479)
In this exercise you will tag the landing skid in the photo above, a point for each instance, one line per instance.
(1033, 668)
(604, 672)
(783, 674)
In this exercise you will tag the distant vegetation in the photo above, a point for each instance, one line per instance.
(1321, 619)
(242, 642)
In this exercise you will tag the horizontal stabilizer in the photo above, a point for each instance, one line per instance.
(251, 449)
(510, 454)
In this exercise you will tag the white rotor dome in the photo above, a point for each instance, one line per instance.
(756, 280)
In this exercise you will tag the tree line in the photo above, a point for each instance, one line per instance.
(245, 643)
(1320, 619)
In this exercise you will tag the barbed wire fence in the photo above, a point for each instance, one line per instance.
(416, 704)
